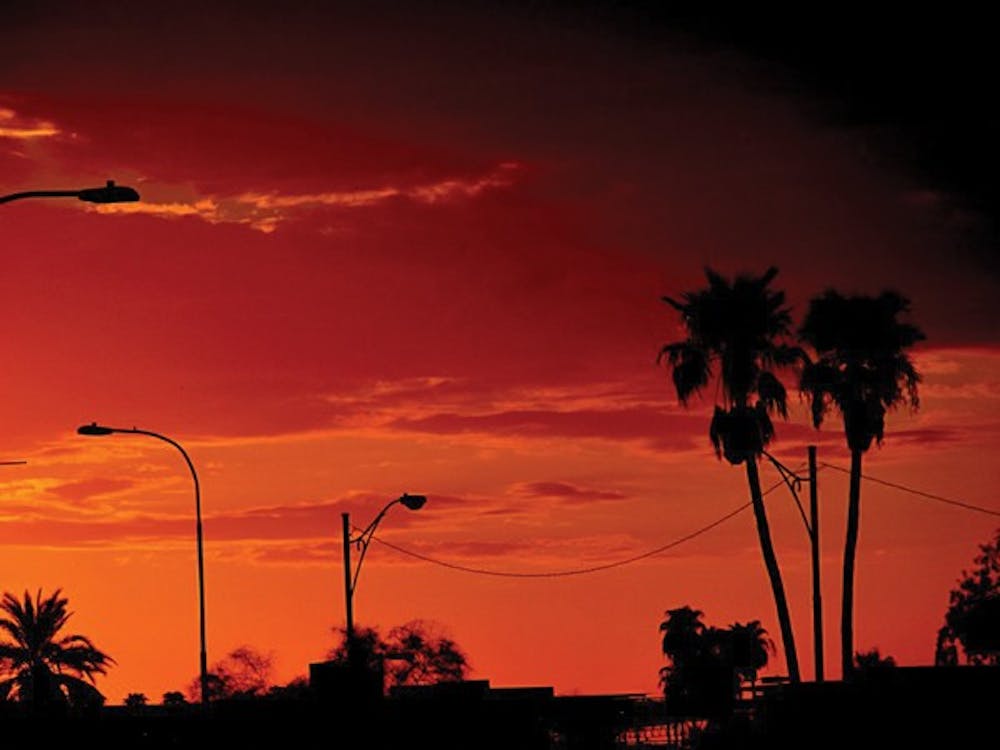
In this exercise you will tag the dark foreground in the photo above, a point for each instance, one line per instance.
(900, 708)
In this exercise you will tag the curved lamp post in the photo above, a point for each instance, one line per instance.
(110, 193)
(363, 539)
(95, 430)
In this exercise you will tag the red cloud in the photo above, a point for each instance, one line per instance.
(87, 488)
(567, 492)
(664, 430)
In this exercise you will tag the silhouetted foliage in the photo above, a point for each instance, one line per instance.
(136, 700)
(419, 656)
(40, 667)
(862, 371)
(973, 616)
(296, 689)
(243, 673)
(706, 663)
(368, 648)
(751, 649)
(872, 662)
(740, 330)
(174, 698)
(414, 653)
(693, 681)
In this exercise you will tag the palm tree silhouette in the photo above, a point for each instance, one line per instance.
(862, 371)
(682, 633)
(751, 649)
(739, 328)
(41, 668)
(688, 644)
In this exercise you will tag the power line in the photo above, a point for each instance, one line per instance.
(577, 571)
(921, 493)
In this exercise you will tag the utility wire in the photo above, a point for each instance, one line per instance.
(577, 571)
(921, 493)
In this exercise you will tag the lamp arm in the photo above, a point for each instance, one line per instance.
(40, 194)
(364, 539)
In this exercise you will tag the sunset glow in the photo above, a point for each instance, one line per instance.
(384, 257)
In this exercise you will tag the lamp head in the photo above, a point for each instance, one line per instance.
(110, 193)
(413, 502)
(93, 429)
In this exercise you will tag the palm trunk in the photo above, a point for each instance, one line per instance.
(773, 572)
(850, 551)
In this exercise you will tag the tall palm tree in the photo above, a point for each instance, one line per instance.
(40, 667)
(739, 329)
(862, 371)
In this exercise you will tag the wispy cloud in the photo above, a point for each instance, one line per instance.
(206, 208)
(655, 427)
(15, 126)
(265, 211)
(567, 493)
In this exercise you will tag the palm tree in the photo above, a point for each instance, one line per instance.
(751, 649)
(862, 371)
(42, 668)
(686, 643)
(739, 329)
(682, 633)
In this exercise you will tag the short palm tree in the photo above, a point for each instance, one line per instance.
(682, 633)
(861, 371)
(40, 667)
(751, 649)
(739, 329)
(686, 645)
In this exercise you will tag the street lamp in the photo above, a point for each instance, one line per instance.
(96, 430)
(109, 193)
(363, 539)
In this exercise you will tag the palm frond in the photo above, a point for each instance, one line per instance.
(679, 306)
(819, 381)
(716, 428)
(79, 692)
(862, 370)
(689, 368)
(764, 424)
(772, 394)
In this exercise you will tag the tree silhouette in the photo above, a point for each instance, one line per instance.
(42, 668)
(690, 679)
(414, 653)
(417, 655)
(973, 616)
(174, 698)
(296, 689)
(872, 662)
(368, 649)
(739, 330)
(136, 700)
(683, 631)
(243, 673)
(707, 663)
(751, 649)
(862, 371)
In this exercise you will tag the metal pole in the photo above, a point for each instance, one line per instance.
(348, 594)
(203, 655)
(199, 538)
(814, 544)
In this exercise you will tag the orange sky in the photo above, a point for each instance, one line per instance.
(369, 259)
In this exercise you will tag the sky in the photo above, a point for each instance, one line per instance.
(391, 250)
